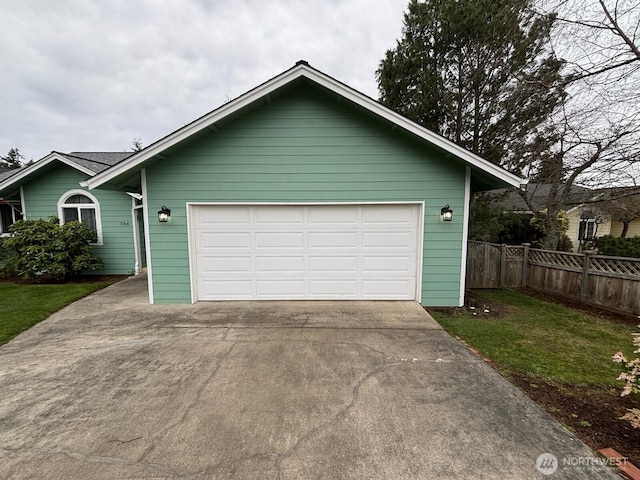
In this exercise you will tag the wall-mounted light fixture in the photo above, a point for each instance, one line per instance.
(447, 213)
(164, 214)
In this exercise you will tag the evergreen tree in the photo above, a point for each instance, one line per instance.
(478, 72)
(13, 159)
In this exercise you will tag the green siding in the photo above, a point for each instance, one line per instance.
(41, 196)
(306, 147)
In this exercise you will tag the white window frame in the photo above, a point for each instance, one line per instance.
(95, 205)
(15, 211)
(589, 223)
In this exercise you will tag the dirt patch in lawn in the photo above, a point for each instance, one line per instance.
(592, 413)
(476, 306)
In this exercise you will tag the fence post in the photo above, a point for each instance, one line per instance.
(503, 265)
(525, 265)
(585, 276)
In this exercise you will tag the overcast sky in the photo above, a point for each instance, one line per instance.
(81, 75)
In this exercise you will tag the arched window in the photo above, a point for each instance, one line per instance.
(82, 206)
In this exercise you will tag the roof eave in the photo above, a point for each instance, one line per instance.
(301, 69)
(26, 172)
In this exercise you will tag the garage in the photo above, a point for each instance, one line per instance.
(301, 252)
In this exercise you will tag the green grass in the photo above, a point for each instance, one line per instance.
(22, 306)
(543, 339)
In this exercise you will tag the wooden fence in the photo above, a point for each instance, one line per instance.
(608, 282)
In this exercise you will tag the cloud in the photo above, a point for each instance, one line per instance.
(95, 75)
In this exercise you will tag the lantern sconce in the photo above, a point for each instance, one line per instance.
(447, 213)
(164, 214)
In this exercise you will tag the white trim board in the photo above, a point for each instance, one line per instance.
(416, 250)
(301, 70)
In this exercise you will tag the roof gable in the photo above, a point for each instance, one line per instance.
(262, 93)
(89, 163)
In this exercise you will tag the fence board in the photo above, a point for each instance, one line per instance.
(607, 282)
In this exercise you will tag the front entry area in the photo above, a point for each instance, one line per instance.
(305, 252)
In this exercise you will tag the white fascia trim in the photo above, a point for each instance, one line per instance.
(147, 236)
(323, 80)
(465, 235)
(416, 129)
(52, 157)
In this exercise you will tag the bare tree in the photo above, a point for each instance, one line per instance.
(623, 206)
(595, 134)
(597, 38)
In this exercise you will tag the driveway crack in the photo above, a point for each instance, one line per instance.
(338, 417)
(194, 402)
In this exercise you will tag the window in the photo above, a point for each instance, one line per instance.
(588, 226)
(10, 213)
(83, 207)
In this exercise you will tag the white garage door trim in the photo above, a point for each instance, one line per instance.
(215, 242)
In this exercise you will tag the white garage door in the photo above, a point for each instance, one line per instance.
(295, 252)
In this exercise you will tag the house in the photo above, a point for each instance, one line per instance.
(589, 210)
(304, 188)
(51, 187)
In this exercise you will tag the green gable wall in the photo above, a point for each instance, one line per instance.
(41, 195)
(306, 146)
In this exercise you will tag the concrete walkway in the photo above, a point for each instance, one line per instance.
(113, 388)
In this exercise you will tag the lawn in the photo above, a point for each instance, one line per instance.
(22, 306)
(527, 335)
(558, 355)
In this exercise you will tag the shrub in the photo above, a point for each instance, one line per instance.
(44, 250)
(631, 378)
(618, 246)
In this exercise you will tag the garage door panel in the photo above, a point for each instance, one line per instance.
(327, 289)
(280, 264)
(226, 289)
(288, 239)
(272, 215)
(223, 215)
(390, 214)
(333, 215)
(385, 264)
(325, 264)
(216, 265)
(335, 239)
(280, 288)
(392, 288)
(327, 252)
(223, 240)
(387, 239)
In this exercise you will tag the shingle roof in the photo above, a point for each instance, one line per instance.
(89, 163)
(96, 161)
(511, 200)
(7, 172)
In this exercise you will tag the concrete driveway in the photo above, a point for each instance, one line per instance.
(113, 388)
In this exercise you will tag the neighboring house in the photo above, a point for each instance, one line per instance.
(304, 188)
(587, 209)
(51, 187)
